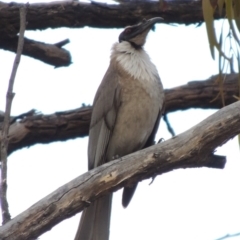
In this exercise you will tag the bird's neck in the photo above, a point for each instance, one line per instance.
(135, 62)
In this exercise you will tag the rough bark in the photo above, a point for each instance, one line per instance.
(34, 128)
(40, 128)
(203, 94)
(52, 54)
(75, 14)
(193, 148)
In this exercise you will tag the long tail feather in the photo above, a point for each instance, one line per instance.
(95, 220)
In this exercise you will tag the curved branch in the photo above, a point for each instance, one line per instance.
(32, 128)
(193, 148)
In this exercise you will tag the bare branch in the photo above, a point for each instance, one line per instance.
(229, 236)
(76, 14)
(52, 54)
(6, 123)
(193, 148)
(202, 94)
(39, 128)
(169, 127)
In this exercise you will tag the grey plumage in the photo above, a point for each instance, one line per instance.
(126, 113)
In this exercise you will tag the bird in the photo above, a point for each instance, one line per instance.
(126, 113)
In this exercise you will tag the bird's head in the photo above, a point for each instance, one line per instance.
(136, 34)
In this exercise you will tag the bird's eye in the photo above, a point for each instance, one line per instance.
(128, 30)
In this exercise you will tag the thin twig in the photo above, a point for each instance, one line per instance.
(229, 236)
(62, 43)
(9, 97)
(169, 127)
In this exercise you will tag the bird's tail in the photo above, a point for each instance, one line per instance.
(95, 220)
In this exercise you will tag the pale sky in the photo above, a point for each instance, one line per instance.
(183, 204)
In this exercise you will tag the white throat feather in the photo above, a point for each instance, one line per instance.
(135, 62)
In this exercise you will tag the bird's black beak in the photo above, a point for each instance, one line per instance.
(135, 30)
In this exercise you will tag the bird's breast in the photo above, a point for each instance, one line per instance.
(141, 97)
(138, 112)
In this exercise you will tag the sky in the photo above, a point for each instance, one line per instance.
(183, 204)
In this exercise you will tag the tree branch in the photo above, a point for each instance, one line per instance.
(76, 14)
(202, 94)
(229, 236)
(61, 126)
(52, 54)
(6, 123)
(193, 148)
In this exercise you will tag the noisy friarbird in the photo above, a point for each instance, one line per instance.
(126, 113)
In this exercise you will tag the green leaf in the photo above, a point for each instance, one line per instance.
(220, 6)
(208, 17)
(230, 17)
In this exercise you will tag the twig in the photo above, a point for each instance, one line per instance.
(62, 43)
(9, 97)
(229, 236)
(169, 127)
(23, 115)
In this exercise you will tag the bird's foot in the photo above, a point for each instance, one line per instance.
(160, 140)
(115, 157)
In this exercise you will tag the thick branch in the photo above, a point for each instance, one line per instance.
(76, 14)
(60, 126)
(193, 148)
(40, 128)
(52, 54)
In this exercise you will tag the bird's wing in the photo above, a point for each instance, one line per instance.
(151, 138)
(105, 108)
